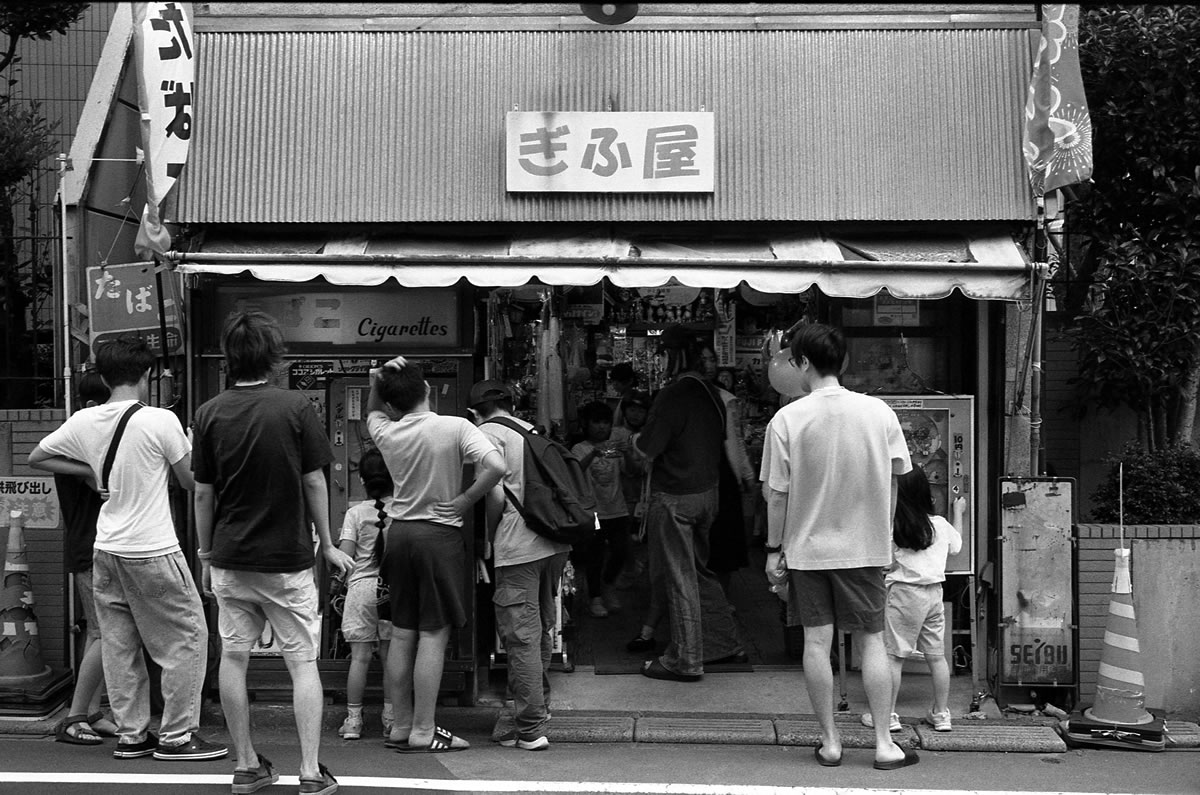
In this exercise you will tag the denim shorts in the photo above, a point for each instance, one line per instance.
(916, 620)
(246, 600)
(851, 598)
(360, 616)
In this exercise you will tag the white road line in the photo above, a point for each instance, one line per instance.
(486, 785)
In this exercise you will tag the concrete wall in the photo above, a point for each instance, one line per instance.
(1165, 568)
(20, 431)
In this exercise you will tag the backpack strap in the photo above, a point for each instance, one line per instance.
(512, 425)
(111, 455)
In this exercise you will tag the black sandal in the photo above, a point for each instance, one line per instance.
(88, 736)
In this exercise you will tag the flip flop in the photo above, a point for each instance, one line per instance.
(442, 743)
(81, 736)
(910, 758)
(823, 762)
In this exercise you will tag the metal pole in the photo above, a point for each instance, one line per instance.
(65, 296)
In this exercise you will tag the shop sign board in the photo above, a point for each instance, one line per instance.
(416, 318)
(552, 152)
(35, 498)
(123, 301)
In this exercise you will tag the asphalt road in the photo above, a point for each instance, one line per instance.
(40, 765)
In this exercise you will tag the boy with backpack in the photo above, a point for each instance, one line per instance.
(528, 568)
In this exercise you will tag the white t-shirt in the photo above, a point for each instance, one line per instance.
(361, 525)
(135, 520)
(928, 565)
(833, 452)
(515, 543)
(426, 452)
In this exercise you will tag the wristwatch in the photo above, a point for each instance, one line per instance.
(773, 550)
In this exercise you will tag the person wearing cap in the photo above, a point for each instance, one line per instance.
(424, 557)
(528, 568)
(684, 438)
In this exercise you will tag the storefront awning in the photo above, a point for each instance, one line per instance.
(987, 266)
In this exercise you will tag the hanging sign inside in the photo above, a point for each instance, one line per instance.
(551, 152)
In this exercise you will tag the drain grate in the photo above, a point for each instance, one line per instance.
(730, 731)
(982, 736)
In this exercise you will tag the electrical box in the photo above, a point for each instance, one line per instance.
(1037, 604)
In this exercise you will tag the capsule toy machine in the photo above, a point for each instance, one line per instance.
(345, 401)
(940, 431)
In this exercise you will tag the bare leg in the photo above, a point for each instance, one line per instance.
(356, 678)
(897, 664)
(235, 703)
(939, 670)
(877, 681)
(427, 681)
(398, 678)
(308, 702)
(89, 683)
(818, 680)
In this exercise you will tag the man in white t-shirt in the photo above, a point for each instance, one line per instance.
(528, 570)
(144, 592)
(830, 462)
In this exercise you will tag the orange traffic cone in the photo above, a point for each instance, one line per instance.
(1119, 717)
(1121, 688)
(26, 682)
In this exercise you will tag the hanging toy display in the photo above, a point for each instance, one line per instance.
(783, 375)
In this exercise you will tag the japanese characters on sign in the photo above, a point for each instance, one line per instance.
(163, 41)
(123, 300)
(35, 498)
(552, 152)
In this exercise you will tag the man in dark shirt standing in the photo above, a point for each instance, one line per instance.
(684, 438)
(259, 458)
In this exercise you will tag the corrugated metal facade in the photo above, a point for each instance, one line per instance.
(388, 127)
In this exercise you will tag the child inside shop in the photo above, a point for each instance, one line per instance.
(915, 617)
(603, 458)
(366, 612)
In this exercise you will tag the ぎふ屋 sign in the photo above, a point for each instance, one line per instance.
(552, 152)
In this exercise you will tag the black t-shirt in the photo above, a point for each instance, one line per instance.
(685, 435)
(254, 444)
(80, 507)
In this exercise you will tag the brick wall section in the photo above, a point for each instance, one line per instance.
(1094, 563)
(20, 431)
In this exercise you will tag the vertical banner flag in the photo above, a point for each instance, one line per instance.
(1058, 130)
(166, 69)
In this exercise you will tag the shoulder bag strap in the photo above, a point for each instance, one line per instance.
(112, 446)
(717, 404)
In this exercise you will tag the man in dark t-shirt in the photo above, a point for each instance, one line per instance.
(684, 438)
(259, 454)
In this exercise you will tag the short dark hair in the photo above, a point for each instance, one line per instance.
(489, 407)
(596, 411)
(402, 388)
(92, 389)
(252, 344)
(123, 361)
(824, 346)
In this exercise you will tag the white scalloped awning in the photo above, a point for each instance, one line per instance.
(988, 266)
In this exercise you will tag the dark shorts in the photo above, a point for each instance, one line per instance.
(854, 599)
(425, 569)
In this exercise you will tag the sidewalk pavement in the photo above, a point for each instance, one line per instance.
(767, 707)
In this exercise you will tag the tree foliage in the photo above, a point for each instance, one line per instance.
(24, 143)
(1137, 324)
(1160, 487)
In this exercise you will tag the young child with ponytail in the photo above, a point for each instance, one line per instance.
(365, 617)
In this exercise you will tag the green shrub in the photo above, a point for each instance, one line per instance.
(1161, 487)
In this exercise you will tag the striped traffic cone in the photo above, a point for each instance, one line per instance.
(1120, 687)
(27, 684)
(1118, 718)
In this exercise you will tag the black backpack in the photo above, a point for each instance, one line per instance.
(559, 503)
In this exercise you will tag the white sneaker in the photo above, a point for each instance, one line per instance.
(940, 721)
(893, 723)
(351, 728)
(598, 609)
(514, 740)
